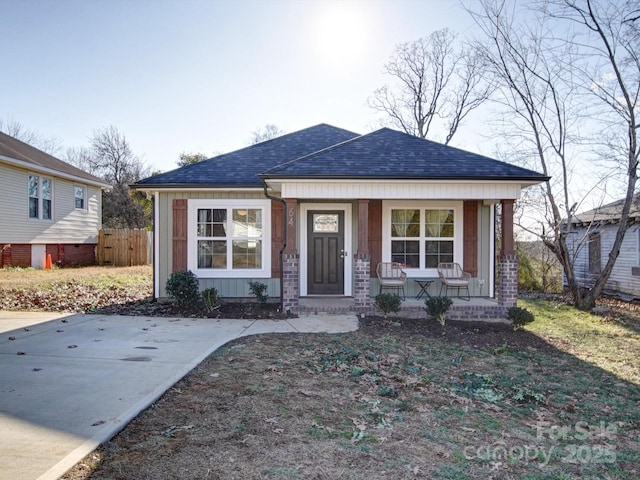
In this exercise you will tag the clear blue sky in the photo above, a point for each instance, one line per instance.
(200, 76)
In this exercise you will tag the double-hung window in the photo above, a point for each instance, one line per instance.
(40, 194)
(230, 238)
(79, 194)
(421, 234)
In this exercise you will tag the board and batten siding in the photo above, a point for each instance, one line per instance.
(404, 190)
(68, 225)
(622, 279)
(227, 287)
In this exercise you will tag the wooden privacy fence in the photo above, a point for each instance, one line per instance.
(125, 247)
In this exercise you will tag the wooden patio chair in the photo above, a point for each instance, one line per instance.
(391, 275)
(452, 276)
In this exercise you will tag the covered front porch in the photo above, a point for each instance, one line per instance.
(491, 294)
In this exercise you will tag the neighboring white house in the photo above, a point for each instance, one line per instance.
(48, 207)
(591, 240)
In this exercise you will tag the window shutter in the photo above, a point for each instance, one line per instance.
(179, 235)
(277, 238)
(470, 237)
(375, 234)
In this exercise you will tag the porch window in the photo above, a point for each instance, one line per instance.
(40, 194)
(422, 236)
(230, 240)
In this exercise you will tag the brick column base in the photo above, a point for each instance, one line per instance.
(508, 281)
(362, 280)
(290, 281)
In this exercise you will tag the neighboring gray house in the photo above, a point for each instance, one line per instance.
(312, 213)
(48, 207)
(591, 240)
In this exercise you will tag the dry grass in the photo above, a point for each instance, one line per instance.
(32, 278)
(393, 401)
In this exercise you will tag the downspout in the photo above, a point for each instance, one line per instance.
(284, 236)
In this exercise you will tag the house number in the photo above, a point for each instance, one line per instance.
(292, 214)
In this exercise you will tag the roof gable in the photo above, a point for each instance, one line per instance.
(241, 168)
(12, 148)
(389, 154)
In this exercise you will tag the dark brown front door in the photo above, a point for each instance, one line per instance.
(325, 256)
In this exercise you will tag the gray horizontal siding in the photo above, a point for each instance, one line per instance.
(621, 280)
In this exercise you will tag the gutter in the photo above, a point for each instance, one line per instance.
(284, 236)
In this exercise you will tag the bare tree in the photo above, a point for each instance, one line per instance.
(547, 86)
(111, 158)
(190, 158)
(265, 133)
(436, 81)
(15, 129)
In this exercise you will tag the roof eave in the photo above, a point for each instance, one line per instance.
(54, 173)
(193, 186)
(527, 179)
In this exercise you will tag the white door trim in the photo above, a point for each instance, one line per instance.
(348, 243)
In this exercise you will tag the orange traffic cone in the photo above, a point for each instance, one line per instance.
(47, 263)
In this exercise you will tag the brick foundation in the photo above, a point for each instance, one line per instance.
(508, 281)
(63, 255)
(362, 280)
(290, 281)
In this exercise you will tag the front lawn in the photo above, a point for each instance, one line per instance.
(559, 400)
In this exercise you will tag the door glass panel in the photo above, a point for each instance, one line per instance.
(325, 223)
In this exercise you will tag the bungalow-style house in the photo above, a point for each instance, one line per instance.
(49, 207)
(312, 213)
(591, 239)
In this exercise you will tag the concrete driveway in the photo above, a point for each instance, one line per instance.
(70, 382)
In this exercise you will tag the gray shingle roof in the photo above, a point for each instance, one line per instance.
(389, 154)
(15, 149)
(326, 152)
(609, 213)
(241, 168)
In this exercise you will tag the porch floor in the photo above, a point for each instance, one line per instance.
(411, 307)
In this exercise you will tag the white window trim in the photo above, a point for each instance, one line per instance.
(229, 272)
(458, 244)
(84, 197)
(40, 217)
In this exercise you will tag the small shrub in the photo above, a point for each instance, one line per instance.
(519, 317)
(211, 299)
(438, 307)
(388, 303)
(258, 290)
(183, 288)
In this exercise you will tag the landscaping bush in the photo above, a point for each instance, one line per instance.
(258, 290)
(519, 317)
(388, 303)
(438, 307)
(183, 288)
(211, 299)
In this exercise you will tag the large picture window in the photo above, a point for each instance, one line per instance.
(231, 238)
(40, 195)
(420, 235)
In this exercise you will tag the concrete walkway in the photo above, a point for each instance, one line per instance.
(70, 382)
